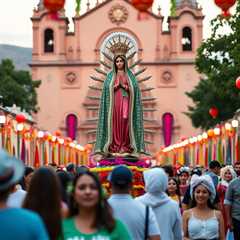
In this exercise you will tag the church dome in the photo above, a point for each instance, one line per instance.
(192, 3)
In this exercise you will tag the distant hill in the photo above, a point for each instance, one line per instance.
(21, 56)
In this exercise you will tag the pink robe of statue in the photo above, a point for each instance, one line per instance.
(120, 125)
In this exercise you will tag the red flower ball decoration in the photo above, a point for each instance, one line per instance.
(213, 111)
(142, 6)
(58, 133)
(20, 118)
(54, 5)
(238, 82)
(225, 5)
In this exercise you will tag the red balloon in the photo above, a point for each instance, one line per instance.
(225, 5)
(142, 5)
(20, 118)
(238, 82)
(213, 111)
(54, 5)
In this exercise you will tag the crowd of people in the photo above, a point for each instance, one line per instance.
(70, 203)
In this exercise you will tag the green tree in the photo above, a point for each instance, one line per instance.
(17, 87)
(218, 62)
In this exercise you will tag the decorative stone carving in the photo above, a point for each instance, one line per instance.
(118, 14)
(70, 78)
(167, 77)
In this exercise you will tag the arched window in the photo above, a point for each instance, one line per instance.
(71, 122)
(167, 123)
(187, 39)
(48, 41)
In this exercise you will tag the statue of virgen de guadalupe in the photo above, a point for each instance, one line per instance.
(120, 130)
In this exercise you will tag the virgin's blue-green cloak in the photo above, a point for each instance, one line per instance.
(104, 129)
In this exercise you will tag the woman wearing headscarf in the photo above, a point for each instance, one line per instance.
(227, 174)
(183, 177)
(166, 210)
(202, 221)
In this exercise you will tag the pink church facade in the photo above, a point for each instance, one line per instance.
(64, 61)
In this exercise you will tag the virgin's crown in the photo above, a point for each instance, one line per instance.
(119, 48)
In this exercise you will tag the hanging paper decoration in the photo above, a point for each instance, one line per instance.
(45, 156)
(238, 82)
(142, 6)
(54, 6)
(213, 111)
(35, 148)
(78, 7)
(23, 151)
(173, 8)
(225, 5)
(36, 158)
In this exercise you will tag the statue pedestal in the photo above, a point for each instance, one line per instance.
(137, 165)
(129, 161)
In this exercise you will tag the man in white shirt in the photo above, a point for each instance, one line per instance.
(131, 212)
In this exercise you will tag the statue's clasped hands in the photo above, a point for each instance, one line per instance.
(120, 84)
(124, 86)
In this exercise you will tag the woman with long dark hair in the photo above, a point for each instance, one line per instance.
(28, 173)
(173, 190)
(202, 221)
(65, 180)
(90, 214)
(44, 197)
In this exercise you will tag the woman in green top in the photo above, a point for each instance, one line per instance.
(90, 215)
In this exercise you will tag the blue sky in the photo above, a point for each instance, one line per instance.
(16, 28)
